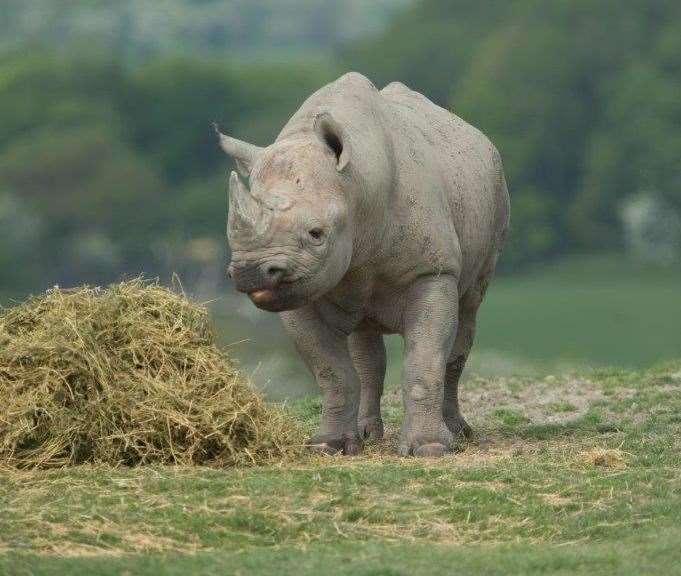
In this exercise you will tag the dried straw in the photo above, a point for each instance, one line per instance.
(126, 375)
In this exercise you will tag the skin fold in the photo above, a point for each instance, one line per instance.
(373, 212)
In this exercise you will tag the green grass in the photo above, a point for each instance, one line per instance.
(540, 490)
(588, 311)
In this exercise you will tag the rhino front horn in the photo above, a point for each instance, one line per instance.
(245, 212)
(243, 153)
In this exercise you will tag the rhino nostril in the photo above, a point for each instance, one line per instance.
(274, 274)
(275, 271)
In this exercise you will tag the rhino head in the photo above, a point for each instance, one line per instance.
(288, 225)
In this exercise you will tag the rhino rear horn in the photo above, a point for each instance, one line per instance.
(243, 153)
(331, 133)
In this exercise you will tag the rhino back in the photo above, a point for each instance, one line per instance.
(450, 183)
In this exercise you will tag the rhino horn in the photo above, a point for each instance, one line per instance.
(245, 212)
(243, 153)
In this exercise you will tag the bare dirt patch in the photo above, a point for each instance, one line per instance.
(556, 500)
(547, 401)
(603, 457)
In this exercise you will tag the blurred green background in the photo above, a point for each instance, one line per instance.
(109, 168)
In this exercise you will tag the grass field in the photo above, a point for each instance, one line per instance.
(566, 475)
(585, 311)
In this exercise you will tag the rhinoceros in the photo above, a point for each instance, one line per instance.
(373, 212)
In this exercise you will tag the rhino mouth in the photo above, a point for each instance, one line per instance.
(262, 296)
(277, 299)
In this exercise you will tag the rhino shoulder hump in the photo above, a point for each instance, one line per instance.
(355, 79)
(396, 87)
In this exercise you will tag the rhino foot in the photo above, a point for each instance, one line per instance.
(371, 428)
(431, 444)
(328, 444)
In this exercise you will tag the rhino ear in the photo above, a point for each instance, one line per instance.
(332, 135)
(243, 154)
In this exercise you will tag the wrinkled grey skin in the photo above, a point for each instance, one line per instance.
(373, 212)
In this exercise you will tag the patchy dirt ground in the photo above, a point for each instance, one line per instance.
(547, 401)
(495, 407)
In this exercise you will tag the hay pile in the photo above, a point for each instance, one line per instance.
(127, 375)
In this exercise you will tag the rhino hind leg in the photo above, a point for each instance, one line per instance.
(368, 356)
(450, 409)
(468, 311)
(451, 412)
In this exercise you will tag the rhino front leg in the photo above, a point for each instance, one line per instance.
(325, 352)
(430, 324)
(368, 356)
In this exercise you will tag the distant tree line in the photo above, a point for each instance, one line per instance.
(107, 171)
(583, 98)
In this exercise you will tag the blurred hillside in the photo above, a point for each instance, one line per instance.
(136, 30)
(583, 99)
(108, 165)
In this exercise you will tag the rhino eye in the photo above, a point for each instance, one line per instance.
(316, 234)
